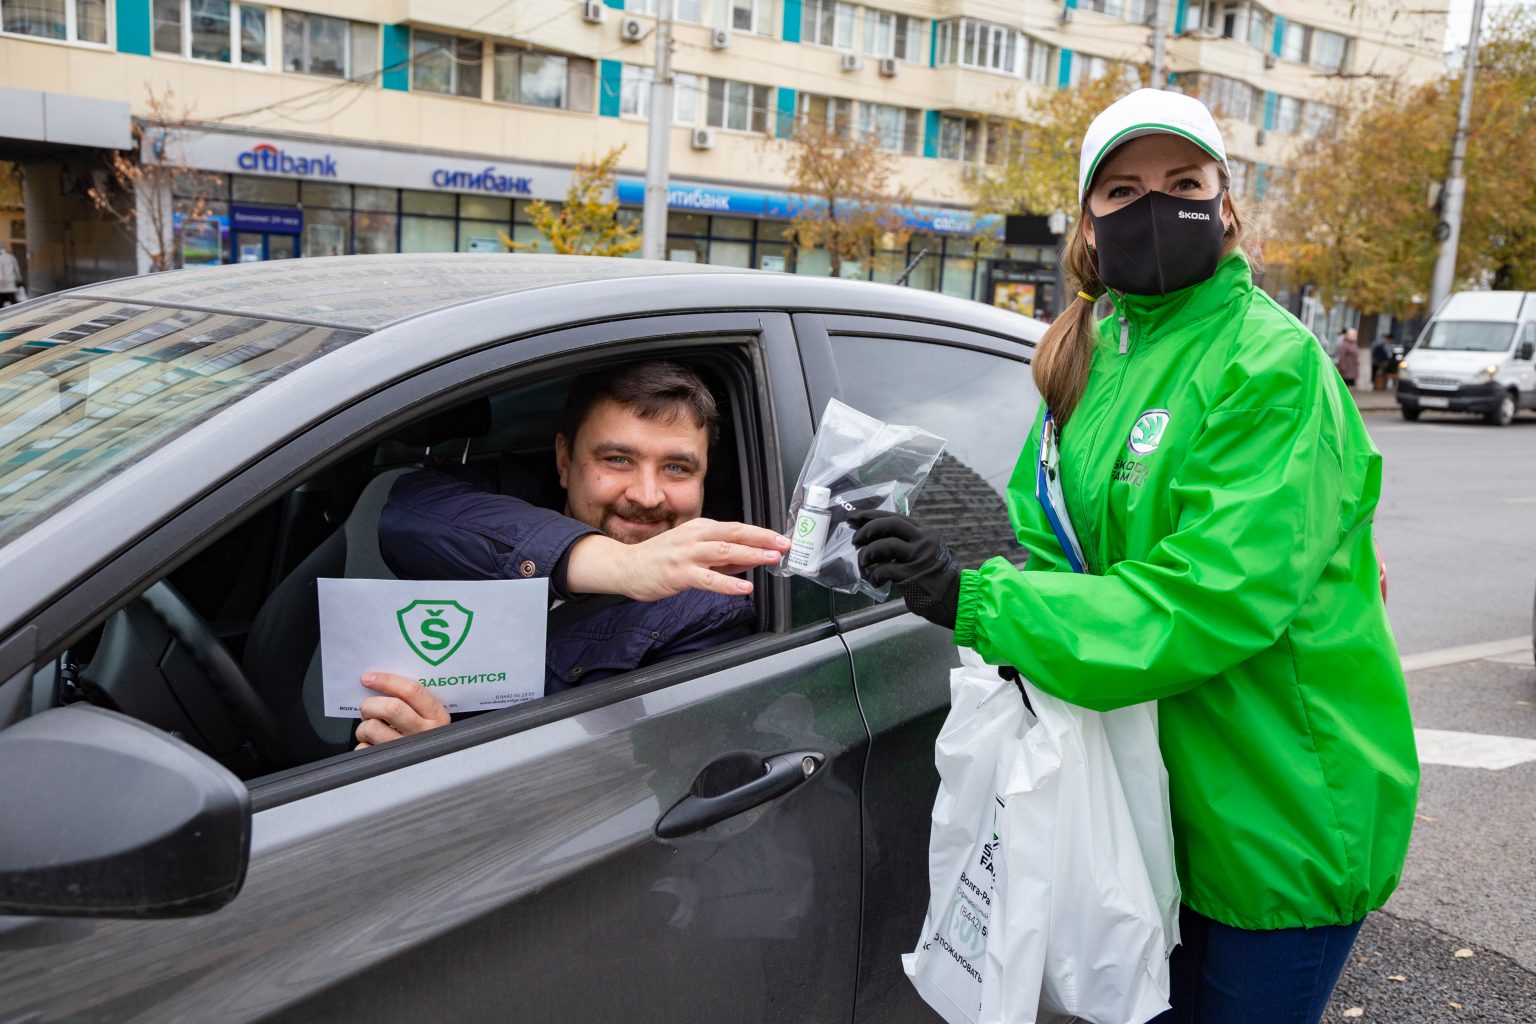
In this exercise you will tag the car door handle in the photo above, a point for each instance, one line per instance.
(781, 773)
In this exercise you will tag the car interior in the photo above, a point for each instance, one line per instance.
(224, 650)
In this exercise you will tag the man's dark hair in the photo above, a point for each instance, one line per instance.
(654, 391)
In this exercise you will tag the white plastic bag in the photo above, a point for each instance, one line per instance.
(1088, 843)
(974, 753)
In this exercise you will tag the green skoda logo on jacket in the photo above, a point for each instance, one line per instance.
(1147, 434)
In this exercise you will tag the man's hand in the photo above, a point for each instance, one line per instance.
(701, 554)
(895, 549)
(406, 707)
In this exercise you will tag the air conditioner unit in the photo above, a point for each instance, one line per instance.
(852, 62)
(702, 138)
(631, 30)
(720, 38)
(1066, 15)
(889, 67)
(592, 11)
(1270, 60)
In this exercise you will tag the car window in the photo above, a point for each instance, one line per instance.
(252, 592)
(974, 400)
(87, 388)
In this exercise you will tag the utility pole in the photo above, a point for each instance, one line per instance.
(653, 219)
(1448, 231)
(1159, 80)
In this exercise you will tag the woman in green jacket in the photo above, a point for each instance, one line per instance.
(1222, 486)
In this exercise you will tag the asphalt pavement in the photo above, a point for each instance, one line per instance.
(1457, 528)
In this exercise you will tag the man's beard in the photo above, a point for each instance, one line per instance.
(635, 514)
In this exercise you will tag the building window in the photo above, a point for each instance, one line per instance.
(1328, 50)
(897, 129)
(79, 21)
(1293, 42)
(959, 137)
(635, 94)
(316, 45)
(215, 30)
(1320, 119)
(1129, 10)
(827, 23)
(751, 16)
(542, 79)
(1228, 97)
(739, 106)
(682, 10)
(1260, 35)
(981, 44)
(893, 35)
(446, 64)
(830, 112)
(1287, 114)
(1242, 176)
(1002, 141)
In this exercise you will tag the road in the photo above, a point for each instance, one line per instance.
(1457, 528)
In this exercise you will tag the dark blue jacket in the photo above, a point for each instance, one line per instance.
(497, 522)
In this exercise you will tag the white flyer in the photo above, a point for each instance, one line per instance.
(477, 644)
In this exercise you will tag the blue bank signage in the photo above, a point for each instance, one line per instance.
(753, 203)
(485, 180)
(266, 218)
(272, 160)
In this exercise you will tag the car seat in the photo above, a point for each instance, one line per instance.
(282, 653)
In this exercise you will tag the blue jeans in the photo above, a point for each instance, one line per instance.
(1225, 975)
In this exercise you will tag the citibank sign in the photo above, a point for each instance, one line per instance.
(269, 159)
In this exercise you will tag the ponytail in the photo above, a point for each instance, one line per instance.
(1065, 353)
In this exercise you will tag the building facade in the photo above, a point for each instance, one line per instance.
(320, 127)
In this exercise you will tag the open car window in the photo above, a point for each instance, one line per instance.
(224, 650)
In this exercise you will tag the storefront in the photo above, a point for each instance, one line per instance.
(247, 198)
(251, 197)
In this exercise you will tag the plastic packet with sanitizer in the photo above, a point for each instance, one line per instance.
(856, 463)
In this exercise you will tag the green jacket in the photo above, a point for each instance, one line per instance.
(1231, 577)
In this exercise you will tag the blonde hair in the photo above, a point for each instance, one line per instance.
(1065, 353)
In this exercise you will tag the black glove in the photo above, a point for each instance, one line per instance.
(896, 549)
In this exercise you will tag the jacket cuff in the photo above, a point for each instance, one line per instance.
(969, 605)
(546, 545)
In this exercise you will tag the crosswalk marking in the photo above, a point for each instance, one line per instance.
(1472, 750)
(1469, 652)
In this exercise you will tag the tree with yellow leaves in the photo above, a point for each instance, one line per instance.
(850, 204)
(587, 223)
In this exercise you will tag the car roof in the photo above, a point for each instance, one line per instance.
(369, 293)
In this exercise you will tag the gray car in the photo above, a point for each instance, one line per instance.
(734, 835)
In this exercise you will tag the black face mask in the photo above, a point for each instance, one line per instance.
(1159, 243)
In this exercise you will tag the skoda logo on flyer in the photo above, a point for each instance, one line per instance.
(1147, 434)
(434, 629)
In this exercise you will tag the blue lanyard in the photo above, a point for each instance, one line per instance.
(1047, 479)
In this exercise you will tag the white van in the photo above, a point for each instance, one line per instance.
(1475, 356)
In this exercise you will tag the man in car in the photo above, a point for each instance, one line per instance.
(631, 456)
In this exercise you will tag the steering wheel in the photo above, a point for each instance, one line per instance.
(159, 662)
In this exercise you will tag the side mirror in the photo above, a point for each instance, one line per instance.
(104, 816)
(1526, 350)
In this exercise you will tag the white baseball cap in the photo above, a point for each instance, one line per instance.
(1148, 112)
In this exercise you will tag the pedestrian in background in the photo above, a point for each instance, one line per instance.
(1223, 496)
(1383, 362)
(10, 277)
(1348, 358)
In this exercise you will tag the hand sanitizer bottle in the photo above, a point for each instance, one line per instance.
(811, 531)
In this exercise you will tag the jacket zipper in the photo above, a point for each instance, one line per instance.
(1095, 561)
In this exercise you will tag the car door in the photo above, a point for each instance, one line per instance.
(975, 391)
(513, 866)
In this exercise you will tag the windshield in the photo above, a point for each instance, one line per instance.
(87, 388)
(1469, 335)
